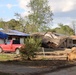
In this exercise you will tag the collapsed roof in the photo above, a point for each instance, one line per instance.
(54, 38)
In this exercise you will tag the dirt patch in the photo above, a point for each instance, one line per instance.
(38, 63)
(45, 66)
(54, 69)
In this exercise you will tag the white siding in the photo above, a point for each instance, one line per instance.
(13, 38)
(1, 41)
(22, 40)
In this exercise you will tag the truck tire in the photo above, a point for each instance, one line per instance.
(1, 50)
(17, 51)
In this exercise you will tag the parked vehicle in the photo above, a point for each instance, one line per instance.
(10, 46)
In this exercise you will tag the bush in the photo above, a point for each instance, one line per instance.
(30, 47)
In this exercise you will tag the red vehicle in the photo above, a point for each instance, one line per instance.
(10, 46)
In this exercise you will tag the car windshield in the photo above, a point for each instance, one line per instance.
(16, 42)
(8, 42)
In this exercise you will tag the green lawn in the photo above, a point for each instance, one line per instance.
(7, 56)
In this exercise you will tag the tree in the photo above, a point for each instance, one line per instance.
(2, 23)
(64, 29)
(24, 24)
(74, 26)
(41, 14)
(31, 46)
(39, 18)
(13, 24)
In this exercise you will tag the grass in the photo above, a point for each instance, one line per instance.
(6, 57)
(4, 73)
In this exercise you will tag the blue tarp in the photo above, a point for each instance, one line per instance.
(17, 33)
(3, 35)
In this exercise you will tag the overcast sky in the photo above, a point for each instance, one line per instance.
(64, 10)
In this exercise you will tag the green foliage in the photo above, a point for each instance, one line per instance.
(41, 14)
(30, 28)
(30, 47)
(3, 24)
(64, 29)
(24, 23)
(13, 24)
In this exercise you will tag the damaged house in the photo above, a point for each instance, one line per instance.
(54, 40)
(9, 34)
(74, 40)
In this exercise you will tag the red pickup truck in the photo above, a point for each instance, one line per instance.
(10, 46)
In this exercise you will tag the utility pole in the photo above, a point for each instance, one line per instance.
(74, 27)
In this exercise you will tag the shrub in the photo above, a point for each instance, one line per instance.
(30, 47)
